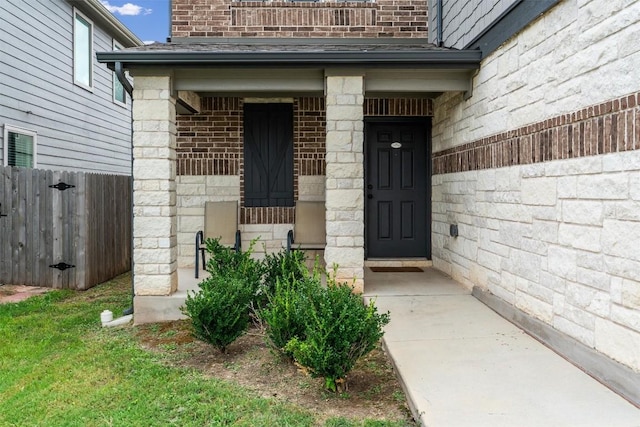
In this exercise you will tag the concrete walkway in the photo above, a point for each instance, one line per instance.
(463, 365)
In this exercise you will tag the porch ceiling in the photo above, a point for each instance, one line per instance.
(287, 81)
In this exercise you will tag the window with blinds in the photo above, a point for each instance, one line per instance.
(20, 147)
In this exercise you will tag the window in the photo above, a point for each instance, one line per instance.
(268, 155)
(19, 147)
(82, 50)
(119, 95)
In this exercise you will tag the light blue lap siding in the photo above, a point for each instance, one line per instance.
(77, 129)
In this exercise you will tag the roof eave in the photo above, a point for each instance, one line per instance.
(98, 12)
(464, 59)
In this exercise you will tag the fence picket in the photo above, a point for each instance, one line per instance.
(5, 225)
(88, 226)
(80, 234)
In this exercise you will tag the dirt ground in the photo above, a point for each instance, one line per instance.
(17, 293)
(373, 391)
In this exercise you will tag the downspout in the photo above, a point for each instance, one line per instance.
(126, 84)
(439, 24)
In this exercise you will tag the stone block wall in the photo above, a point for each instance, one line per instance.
(345, 178)
(154, 187)
(540, 170)
(229, 18)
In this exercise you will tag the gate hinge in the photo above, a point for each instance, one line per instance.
(62, 266)
(62, 186)
(1, 215)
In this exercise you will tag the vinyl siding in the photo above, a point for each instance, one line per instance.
(463, 21)
(77, 129)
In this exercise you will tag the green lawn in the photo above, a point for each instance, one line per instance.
(58, 367)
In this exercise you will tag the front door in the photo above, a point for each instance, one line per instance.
(397, 188)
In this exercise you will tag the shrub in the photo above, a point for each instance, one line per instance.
(339, 330)
(219, 312)
(285, 313)
(227, 262)
(283, 264)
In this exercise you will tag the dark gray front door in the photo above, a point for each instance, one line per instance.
(397, 189)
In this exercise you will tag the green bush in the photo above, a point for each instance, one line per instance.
(339, 330)
(219, 312)
(276, 266)
(283, 264)
(286, 310)
(324, 329)
(227, 262)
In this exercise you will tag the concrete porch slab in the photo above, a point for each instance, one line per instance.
(151, 309)
(429, 282)
(461, 364)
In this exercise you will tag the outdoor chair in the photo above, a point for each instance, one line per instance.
(220, 221)
(309, 231)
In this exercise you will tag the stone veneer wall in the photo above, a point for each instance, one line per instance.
(344, 187)
(228, 18)
(154, 187)
(540, 169)
(210, 157)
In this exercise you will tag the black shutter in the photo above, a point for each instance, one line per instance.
(268, 155)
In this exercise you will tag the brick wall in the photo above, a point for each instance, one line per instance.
(227, 18)
(210, 143)
(609, 127)
(309, 124)
(398, 107)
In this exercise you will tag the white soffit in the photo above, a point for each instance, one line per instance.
(312, 80)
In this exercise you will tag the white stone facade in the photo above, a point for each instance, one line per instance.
(556, 239)
(154, 196)
(345, 178)
(580, 53)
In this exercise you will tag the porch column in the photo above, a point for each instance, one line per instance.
(345, 178)
(154, 187)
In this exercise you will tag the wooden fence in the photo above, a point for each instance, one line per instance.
(63, 229)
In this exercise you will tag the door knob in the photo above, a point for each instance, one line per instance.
(369, 196)
(370, 186)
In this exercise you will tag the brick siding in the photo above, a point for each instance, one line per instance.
(210, 143)
(227, 18)
(396, 107)
(267, 215)
(609, 127)
(309, 124)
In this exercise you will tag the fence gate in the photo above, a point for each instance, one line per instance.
(63, 229)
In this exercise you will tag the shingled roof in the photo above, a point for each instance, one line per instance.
(312, 52)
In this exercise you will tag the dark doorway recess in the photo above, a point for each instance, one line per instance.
(398, 187)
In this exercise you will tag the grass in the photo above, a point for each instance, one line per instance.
(58, 367)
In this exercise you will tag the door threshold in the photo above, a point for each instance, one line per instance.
(398, 262)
